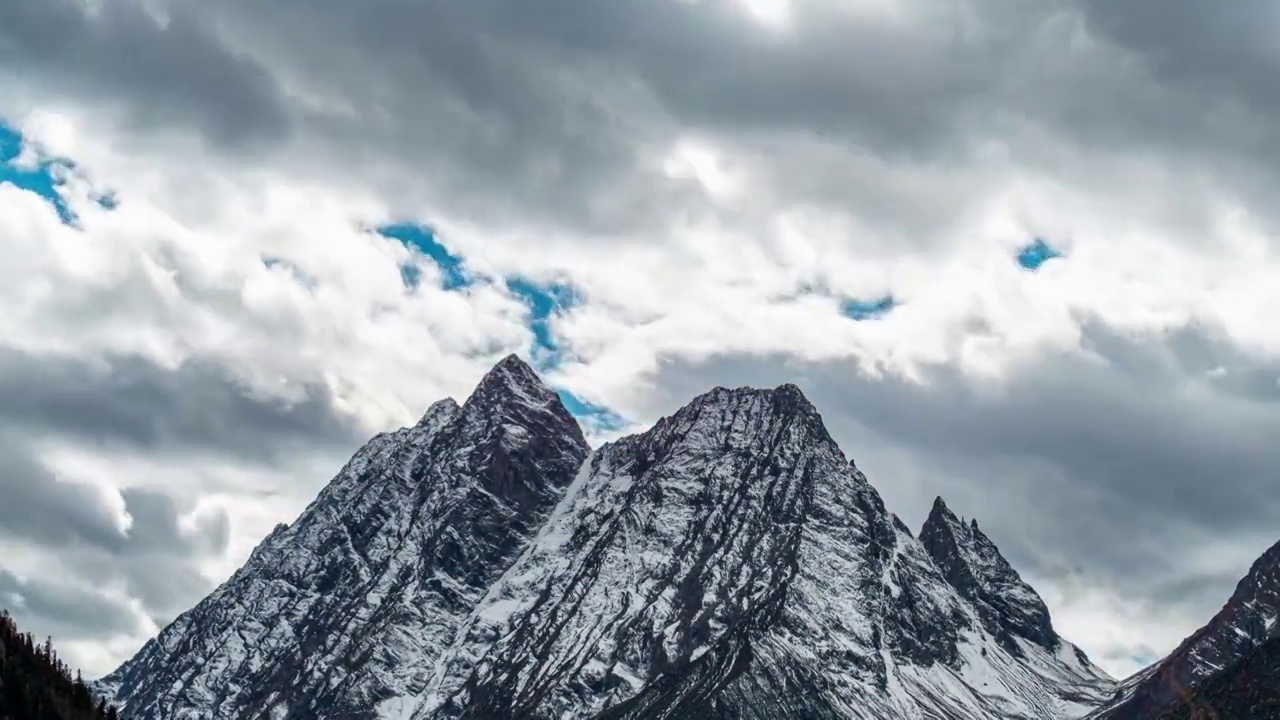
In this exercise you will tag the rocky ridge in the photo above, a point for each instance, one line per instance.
(1010, 609)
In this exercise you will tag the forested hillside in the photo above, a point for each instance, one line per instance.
(36, 685)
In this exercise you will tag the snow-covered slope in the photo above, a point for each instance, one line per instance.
(731, 562)
(728, 563)
(1245, 622)
(352, 603)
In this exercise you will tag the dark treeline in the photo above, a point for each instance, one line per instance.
(36, 685)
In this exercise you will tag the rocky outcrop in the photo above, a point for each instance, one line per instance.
(1010, 609)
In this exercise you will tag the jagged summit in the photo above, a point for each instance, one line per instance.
(513, 376)
(738, 413)
(973, 565)
(788, 397)
(509, 382)
(672, 544)
(941, 513)
(512, 394)
(352, 603)
(439, 412)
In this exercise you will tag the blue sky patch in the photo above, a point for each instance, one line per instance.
(543, 301)
(589, 414)
(421, 240)
(41, 180)
(1037, 253)
(867, 309)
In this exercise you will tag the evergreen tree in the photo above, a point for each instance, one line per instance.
(36, 685)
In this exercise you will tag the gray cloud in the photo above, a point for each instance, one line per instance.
(153, 557)
(129, 402)
(171, 71)
(546, 113)
(1227, 51)
(165, 581)
(129, 407)
(66, 609)
(550, 112)
(34, 505)
(66, 513)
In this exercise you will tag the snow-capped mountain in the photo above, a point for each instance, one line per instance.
(728, 563)
(353, 602)
(1245, 622)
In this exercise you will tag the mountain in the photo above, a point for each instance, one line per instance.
(730, 562)
(36, 685)
(351, 604)
(1248, 690)
(1245, 622)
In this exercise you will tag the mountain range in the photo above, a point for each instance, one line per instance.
(728, 563)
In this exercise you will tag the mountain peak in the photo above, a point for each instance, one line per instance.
(513, 361)
(377, 573)
(786, 399)
(513, 389)
(940, 512)
(440, 412)
(973, 565)
(513, 373)
(744, 415)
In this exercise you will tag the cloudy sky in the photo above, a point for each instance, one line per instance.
(1020, 253)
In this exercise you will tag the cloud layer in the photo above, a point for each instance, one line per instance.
(237, 238)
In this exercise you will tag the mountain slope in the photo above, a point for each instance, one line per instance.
(1246, 621)
(351, 603)
(731, 563)
(1248, 690)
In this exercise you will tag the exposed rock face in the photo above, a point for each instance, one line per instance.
(1248, 690)
(731, 562)
(728, 563)
(352, 603)
(972, 564)
(1247, 621)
